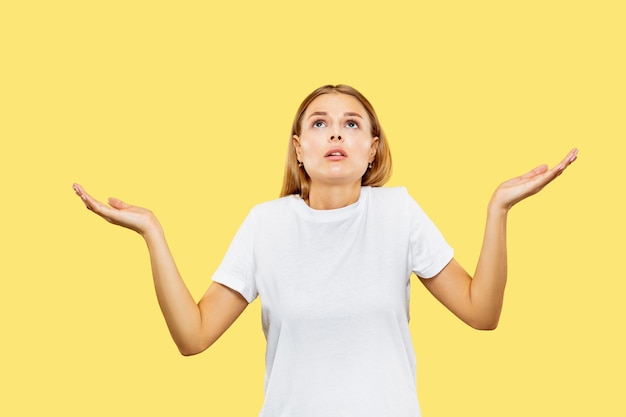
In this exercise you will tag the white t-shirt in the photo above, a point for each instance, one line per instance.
(334, 288)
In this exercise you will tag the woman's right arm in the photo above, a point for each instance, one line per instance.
(194, 327)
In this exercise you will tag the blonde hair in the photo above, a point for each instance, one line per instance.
(297, 181)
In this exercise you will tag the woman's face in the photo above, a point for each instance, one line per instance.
(335, 142)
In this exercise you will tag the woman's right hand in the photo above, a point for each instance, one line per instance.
(139, 219)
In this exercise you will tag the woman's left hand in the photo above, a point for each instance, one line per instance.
(516, 189)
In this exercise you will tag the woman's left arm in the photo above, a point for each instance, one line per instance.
(478, 301)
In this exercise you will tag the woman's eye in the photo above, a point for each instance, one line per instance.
(352, 124)
(319, 123)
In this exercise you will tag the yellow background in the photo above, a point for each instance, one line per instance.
(185, 108)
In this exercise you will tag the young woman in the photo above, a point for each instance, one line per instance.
(331, 261)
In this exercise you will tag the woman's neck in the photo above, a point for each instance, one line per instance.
(329, 197)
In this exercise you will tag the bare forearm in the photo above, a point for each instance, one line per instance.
(487, 287)
(478, 301)
(193, 326)
(179, 309)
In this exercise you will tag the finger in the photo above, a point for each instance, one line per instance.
(80, 191)
(92, 204)
(567, 161)
(525, 177)
(547, 177)
(572, 155)
(534, 172)
(118, 204)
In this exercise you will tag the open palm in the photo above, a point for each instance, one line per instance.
(516, 189)
(119, 213)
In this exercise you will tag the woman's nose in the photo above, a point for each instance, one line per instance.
(335, 137)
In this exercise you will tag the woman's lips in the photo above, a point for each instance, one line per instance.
(336, 154)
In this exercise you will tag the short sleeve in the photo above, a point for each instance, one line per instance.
(237, 269)
(430, 252)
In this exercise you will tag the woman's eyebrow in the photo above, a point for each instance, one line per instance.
(318, 113)
(347, 114)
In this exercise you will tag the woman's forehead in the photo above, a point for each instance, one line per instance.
(335, 103)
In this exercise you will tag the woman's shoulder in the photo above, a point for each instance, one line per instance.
(277, 206)
(387, 193)
(394, 199)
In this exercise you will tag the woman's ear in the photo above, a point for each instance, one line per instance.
(374, 148)
(295, 139)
